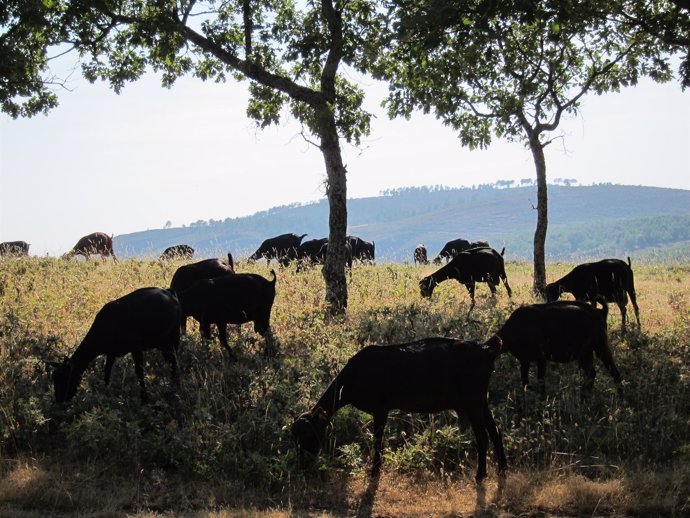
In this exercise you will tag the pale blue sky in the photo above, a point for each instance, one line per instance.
(119, 164)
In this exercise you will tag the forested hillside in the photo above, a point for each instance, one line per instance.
(584, 222)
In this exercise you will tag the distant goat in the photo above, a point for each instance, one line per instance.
(362, 251)
(147, 318)
(609, 280)
(454, 247)
(562, 332)
(473, 265)
(96, 243)
(177, 252)
(14, 248)
(429, 375)
(186, 275)
(314, 252)
(282, 248)
(420, 255)
(230, 299)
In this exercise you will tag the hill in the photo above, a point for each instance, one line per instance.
(584, 222)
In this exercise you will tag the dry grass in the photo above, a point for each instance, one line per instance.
(27, 490)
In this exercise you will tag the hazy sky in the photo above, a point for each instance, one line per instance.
(119, 164)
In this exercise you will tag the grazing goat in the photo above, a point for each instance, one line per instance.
(186, 275)
(230, 299)
(314, 252)
(177, 252)
(562, 332)
(429, 375)
(14, 248)
(420, 255)
(473, 265)
(147, 318)
(451, 249)
(282, 248)
(609, 280)
(362, 251)
(96, 243)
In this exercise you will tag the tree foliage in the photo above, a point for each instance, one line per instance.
(26, 84)
(513, 70)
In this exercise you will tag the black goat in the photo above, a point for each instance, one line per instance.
(314, 252)
(429, 375)
(177, 252)
(454, 247)
(147, 318)
(451, 249)
(609, 280)
(562, 332)
(362, 251)
(186, 275)
(420, 255)
(473, 265)
(230, 299)
(14, 249)
(282, 248)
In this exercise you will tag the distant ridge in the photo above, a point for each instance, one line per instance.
(585, 222)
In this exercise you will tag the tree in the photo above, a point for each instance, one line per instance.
(25, 81)
(292, 57)
(513, 70)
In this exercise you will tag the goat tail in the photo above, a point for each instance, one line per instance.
(503, 251)
(274, 276)
(629, 262)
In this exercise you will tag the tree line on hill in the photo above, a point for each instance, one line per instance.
(587, 222)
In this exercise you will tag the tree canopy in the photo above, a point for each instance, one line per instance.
(514, 70)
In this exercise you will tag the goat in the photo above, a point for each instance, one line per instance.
(14, 249)
(362, 251)
(147, 318)
(177, 252)
(608, 280)
(314, 252)
(420, 255)
(282, 248)
(429, 375)
(186, 275)
(473, 265)
(451, 249)
(230, 299)
(562, 331)
(96, 243)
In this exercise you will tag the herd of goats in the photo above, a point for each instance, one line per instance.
(428, 375)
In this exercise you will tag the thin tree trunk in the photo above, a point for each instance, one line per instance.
(336, 191)
(542, 216)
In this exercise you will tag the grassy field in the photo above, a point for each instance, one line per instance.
(220, 446)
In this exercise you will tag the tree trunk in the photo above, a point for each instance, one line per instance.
(336, 191)
(542, 216)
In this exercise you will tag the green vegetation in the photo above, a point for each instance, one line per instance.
(222, 440)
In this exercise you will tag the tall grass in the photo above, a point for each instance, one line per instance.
(229, 420)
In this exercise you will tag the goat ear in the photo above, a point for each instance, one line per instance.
(51, 363)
